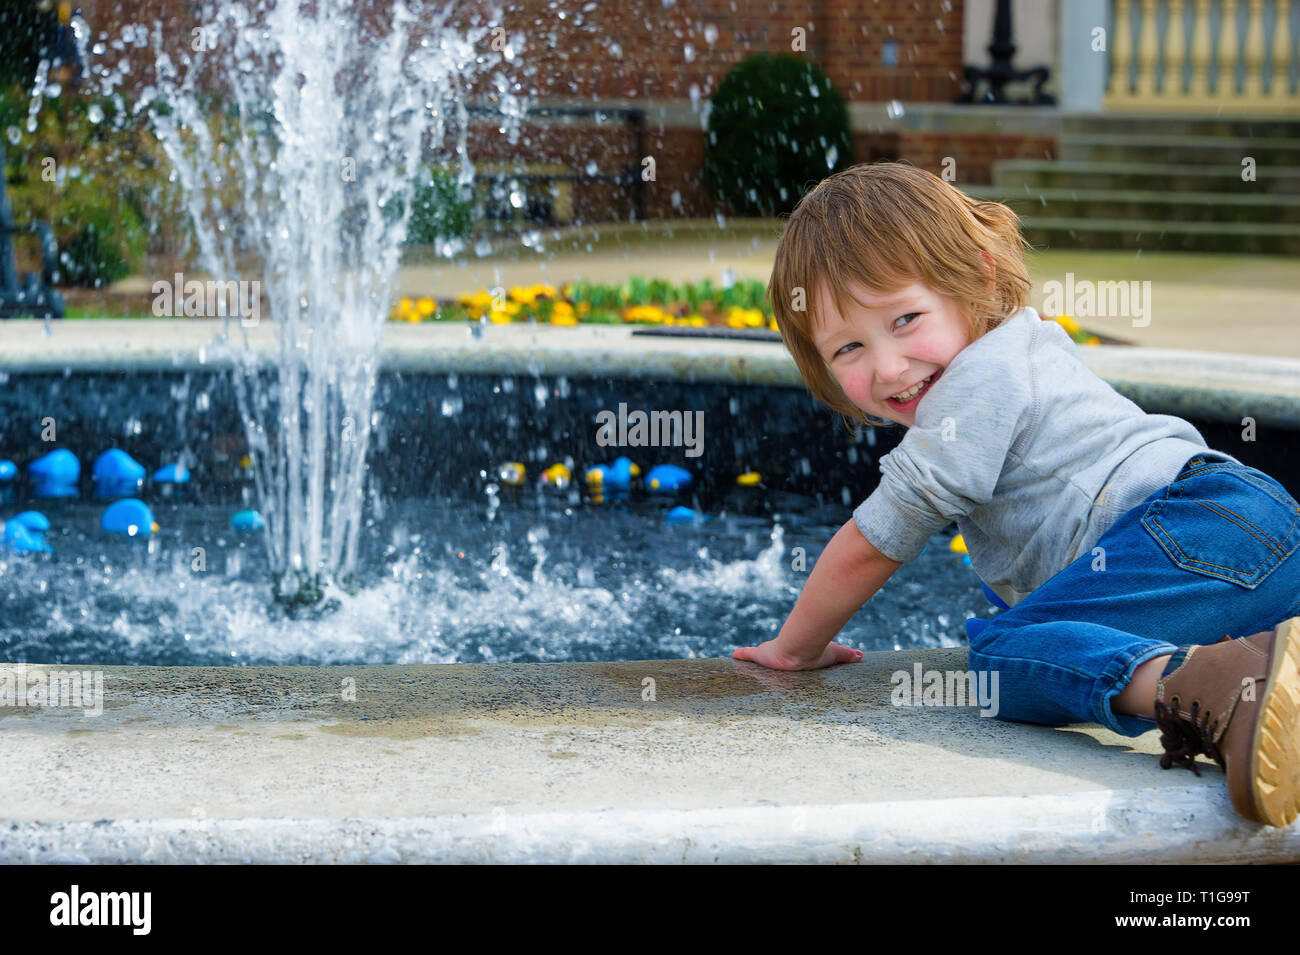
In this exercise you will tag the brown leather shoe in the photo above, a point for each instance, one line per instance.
(1238, 702)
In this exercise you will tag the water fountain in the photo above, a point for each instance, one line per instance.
(297, 132)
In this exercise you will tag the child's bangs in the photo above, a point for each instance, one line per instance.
(878, 272)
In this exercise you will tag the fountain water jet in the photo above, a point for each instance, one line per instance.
(296, 132)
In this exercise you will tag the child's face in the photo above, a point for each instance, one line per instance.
(903, 339)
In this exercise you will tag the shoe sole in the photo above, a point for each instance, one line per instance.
(1275, 750)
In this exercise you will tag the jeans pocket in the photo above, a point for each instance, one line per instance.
(1227, 521)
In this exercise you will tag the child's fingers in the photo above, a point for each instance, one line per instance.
(845, 654)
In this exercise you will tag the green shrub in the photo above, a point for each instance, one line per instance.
(441, 209)
(97, 184)
(777, 127)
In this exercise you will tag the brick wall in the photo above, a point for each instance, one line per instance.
(643, 49)
(633, 50)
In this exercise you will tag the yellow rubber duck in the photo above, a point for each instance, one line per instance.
(512, 473)
(557, 475)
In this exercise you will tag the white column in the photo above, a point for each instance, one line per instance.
(1081, 75)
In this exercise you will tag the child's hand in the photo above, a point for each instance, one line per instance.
(770, 656)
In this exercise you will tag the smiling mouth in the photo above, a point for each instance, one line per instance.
(904, 398)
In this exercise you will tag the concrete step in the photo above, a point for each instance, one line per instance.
(1207, 150)
(1152, 235)
(1148, 177)
(1139, 204)
(1242, 127)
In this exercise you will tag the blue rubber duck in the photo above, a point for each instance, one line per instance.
(176, 473)
(117, 474)
(23, 540)
(668, 478)
(130, 516)
(8, 477)
(55, 474)
(247, 521)
(32, 520)
(684, 515)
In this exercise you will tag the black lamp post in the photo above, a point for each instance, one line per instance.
(1001, 72)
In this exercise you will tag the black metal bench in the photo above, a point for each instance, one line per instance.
(32, 295)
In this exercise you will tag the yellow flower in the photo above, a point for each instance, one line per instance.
(698, 321)
(476, 303)
(583, 307)
(528, 294)
(1092, 340)
(498, 317)
(643, 313)
(1068, 323)
(562, 318)
(426, 307)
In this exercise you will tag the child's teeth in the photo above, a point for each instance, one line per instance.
(913, 391)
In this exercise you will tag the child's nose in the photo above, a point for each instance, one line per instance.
(890, 369)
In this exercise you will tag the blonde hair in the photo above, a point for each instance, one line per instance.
(886, 226)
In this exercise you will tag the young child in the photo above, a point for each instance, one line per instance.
(1130, 553)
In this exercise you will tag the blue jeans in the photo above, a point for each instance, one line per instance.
(1212, 554)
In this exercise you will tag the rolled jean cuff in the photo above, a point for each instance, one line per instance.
(1118, 675)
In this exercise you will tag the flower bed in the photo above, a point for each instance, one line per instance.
(637, 301)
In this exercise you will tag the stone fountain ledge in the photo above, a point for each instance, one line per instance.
(1208, 386)
(570, 762)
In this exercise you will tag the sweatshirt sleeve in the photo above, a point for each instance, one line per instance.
(951, 458)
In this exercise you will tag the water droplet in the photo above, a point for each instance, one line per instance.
(592, 168)
(895, 109)
(832, 157)
(95, 113)
(14, 135)
(688, 51)
(710, 34)
(482, 247)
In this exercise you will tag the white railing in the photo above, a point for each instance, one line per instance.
(1203, 55)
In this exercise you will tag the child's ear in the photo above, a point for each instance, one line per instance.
(991, 269)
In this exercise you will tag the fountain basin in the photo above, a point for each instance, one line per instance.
(570, 761)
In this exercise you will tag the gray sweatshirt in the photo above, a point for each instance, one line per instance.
(1032, 454)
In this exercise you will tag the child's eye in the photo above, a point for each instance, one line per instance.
(908, 315)
(847, 348)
